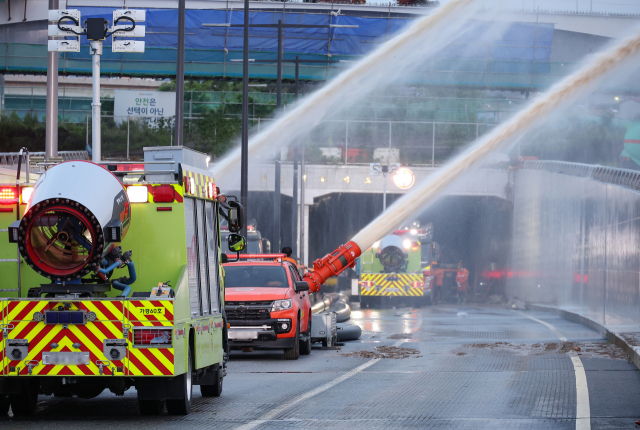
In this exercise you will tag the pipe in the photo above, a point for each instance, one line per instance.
(321, 306)
(342, 310)
(348, 332)
(126, 290)
(110, 268)
(123, 284)
(332, 265)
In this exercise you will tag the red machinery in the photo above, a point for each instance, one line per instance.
(332, 265)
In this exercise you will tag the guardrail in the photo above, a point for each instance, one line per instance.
(11, 158)
(623, 177)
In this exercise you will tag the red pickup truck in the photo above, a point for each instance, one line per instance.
(267, 306)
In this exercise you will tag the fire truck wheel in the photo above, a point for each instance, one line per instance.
(25, 404)
(182, 406)
(305, 347)
(4, 405)
(213, 390)
(151, 407)
(294, 353)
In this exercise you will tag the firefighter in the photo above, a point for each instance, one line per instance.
(462, 278)
(288, 251)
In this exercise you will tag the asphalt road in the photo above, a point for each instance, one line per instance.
(476, 368)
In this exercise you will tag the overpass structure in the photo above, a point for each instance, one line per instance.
(323, 180)
(534, 49)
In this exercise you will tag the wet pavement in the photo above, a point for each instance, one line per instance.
(436, 367)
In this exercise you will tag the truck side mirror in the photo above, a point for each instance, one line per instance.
(236, 216)
(301, 286)
(236, 242)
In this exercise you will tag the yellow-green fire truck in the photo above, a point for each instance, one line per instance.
(111, 278)
(390, 272)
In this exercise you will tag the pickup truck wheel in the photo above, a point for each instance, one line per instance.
(182, 406)
(151, 407)
(294, 353)
(305, 347)
(26, 403)
(4, 405)
(213, 390)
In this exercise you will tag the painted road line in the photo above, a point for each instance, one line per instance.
(583, 410)
(273, 414)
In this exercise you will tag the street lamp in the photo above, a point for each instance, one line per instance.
(96, 30)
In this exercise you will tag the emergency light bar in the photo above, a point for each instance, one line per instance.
(258, 256)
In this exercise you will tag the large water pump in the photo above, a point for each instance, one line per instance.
(77, 214)
(392, 253)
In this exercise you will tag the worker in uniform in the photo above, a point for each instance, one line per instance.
(288, 251)
(462, 278)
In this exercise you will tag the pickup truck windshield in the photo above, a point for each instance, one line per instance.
(255, 276)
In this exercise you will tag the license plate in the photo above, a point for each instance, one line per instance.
(150, 311)
(65, 358)
(243, 334)
(393, 289)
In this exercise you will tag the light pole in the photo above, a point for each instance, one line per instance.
(294, 224)
(96, 30)
(179, 121)
(51, 140)
(376, 169)
(280, 26)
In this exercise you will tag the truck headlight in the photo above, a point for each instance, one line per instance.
(281, 305)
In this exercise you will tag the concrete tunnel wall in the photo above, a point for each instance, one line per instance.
(576, 241)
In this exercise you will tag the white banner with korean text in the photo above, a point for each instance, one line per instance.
(143, 104)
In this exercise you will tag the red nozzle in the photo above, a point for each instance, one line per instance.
(332, 265)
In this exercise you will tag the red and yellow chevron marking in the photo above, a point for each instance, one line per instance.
(41, 336)
(199, 185)
(150, 361)
(382, 287)
(3, 306)
(111, 315)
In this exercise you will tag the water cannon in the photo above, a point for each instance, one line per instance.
(392, 252)
(77, 213)
(332, 265)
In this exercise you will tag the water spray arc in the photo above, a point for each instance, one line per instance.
(432, 187)
(449, 19)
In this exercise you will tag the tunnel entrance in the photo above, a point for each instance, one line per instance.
(474, 230)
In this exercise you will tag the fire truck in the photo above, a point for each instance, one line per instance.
(390, 272)
(111, 279)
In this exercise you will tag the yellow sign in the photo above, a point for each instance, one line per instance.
(150, 311)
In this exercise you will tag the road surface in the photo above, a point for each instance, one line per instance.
(475, 368)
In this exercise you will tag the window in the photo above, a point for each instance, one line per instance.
(295, 276)
(255, 276)
(211, 211)
(203, 260)
(192, 256)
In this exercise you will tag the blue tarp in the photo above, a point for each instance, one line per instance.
(517, 47)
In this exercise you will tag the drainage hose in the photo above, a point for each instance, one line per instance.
(348, 332)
